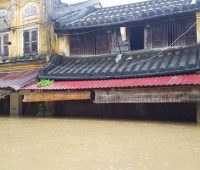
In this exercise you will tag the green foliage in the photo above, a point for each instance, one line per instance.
(45, 83)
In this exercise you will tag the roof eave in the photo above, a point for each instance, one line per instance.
(65, 29)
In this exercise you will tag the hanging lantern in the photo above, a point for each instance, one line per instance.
(123, 33)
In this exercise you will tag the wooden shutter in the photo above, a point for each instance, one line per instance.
(89, 43)
(176, 29)
(5, 45)
(31, 42)
(27, 49)
(191, 36)
(75, 45)
(34, 42)
(159, 35)
(147, 38)
(103, 43)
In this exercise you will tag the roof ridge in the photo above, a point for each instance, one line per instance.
(128, 4)
(137, 52)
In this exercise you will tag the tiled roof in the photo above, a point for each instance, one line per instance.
(172, 61)
(180, 80)
(131, 12)
(67, 13)
(17, 79)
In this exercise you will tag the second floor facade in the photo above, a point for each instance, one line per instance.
(26, 27)
(47, 27)
(138, 26)
(157, 33)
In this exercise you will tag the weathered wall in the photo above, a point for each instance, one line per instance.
(63, 45)
(18, 23)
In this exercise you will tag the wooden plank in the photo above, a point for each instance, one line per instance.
(75, 45)
(148, 96)
(56, 96)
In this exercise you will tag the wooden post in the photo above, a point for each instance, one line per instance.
(198, 112)
(198, 26)
(15, 104)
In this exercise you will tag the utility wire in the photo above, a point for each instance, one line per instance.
(51, 64)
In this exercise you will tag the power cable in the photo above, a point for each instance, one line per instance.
(51, 64)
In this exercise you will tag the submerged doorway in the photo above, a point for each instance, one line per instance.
(5, 106)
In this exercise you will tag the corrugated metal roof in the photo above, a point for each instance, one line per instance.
(17, 79)
(179, 80)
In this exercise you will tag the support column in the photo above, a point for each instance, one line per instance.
(15, 105)
(198, 112)
(198, 26)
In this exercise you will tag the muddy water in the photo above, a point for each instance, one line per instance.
(73, 144)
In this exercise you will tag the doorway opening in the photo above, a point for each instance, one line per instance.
(137, 38)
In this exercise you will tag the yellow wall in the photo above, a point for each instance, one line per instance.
(198, 26)
(19, 24)
(63, 45)
(49, 42)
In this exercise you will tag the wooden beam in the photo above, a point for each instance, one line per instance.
(56, 96)
(159, 95)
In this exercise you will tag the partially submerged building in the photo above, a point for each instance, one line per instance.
(139, 54)
(27, 41)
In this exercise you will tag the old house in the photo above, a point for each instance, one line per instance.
(27, 40)
(134, 57)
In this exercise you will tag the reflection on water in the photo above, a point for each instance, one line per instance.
(73, 144)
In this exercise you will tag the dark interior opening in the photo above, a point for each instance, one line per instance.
(159, 111)
(137, 38)
(5, 106)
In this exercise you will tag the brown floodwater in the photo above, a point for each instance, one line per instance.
(78, 144)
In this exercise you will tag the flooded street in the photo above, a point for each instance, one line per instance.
(77, 144)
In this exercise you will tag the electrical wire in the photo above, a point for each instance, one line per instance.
(51, 64)
(22, 26)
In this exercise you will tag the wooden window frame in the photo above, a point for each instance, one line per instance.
(89, 49)
(170, 31)
(30, 30)
(3, 45)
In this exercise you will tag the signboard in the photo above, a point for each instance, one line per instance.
(146, 97)
(56, 96)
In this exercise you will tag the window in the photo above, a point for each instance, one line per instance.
(4, 21)
(168, 33)
(4, 49)
(30, 41)
(30, 9)
(4, 13)
(91, 43)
